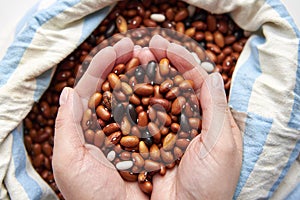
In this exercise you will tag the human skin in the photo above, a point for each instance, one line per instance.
(210, 167)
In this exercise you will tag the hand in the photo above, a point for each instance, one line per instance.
(81, 170)
(211, 165)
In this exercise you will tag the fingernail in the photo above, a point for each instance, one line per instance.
(217, 81)
(64, 96)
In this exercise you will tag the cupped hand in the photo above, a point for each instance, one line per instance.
(81, 170)
(211, 165)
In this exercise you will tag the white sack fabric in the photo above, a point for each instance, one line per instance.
(265, 91)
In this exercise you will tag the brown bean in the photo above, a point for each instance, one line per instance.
(186, 85)
(131, 64)
(211, 23)
(125, 126)
(214, 48)
(105, 86)
(175, 127)
(178, 153)
(154, 131)
(129, 141)
(113, 139)
(38, 160)
(138, 160)
(85, 122)
(194, 122)
(103, 113)
(181, 15)
(89, 136)
(173, 93)
(45, 109)
(111, 128)
(208, 36)
(166, 156)
(118, 69)
(169, 141)
(164, 118)
(143, 89)
(170, 14)
(229, 39)
(151, 165)
(135, 22)
(95, 100)
(142, 119)
(121, 24)
(125, 155)
(154, 152)
(99, 138)
(190, 32)
(128, 176)
(146, 187)
(134, 99)
(144, 151)
(166, 86)
(219, 39)
(182, 143)
(149, 23)
(180, 27)
(177, 105)
(126, 89)
(160, 103)
(114, 81)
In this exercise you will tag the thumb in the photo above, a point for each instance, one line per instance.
(68, 133)
(216, 118)
(69, 143)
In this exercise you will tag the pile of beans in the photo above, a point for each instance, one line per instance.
(221, 38)
(147, 115)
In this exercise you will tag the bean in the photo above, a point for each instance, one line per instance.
(144, 151)
(164, 67)
(111, 156)
(129, 141)
(151, 165)
(128, 176)
(124, 165)
(143, 89)
(158, 17)
(169, 141)
(146, 187)
(181, 15)
(138, 160)
(111, 128)
(177, 105)
(121, 24)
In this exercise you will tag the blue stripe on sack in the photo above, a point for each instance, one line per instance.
(92, 21)
(292, 158)
(295, 194)
(295, 115)
(15, 52)
(22, 23)
(245, 77)
(31, 187)
(256, 132)
(42, 83)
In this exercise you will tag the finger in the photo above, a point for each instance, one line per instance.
(186, 64)
(124, 50)
(158, 46)
(100, 66)
(216, 115)
(144, 55)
